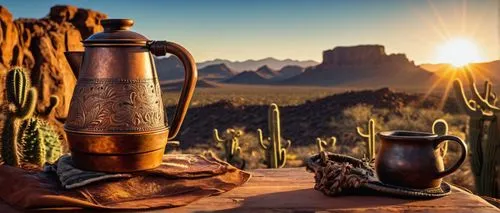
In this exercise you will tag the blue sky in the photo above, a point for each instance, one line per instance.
(240, 30)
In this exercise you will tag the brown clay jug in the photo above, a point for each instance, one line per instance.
(116, 120)
(413, 159)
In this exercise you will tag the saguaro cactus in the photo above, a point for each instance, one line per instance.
(370, 137)
(231, 143)
(328, 143)
(41, 143)
(481, 109)
(275, 152)
(440, 127)
(22, 101)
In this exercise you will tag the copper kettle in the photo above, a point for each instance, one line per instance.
(116, 120)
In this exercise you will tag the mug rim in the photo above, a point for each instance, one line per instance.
(412, 135)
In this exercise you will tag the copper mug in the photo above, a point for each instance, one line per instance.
(413, 159)
(116, 120)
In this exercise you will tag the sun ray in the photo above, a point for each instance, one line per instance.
(464, 16)
(439, 19)
(432, 87)
(447, 91)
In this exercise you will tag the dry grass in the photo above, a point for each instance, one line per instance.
(254, 95)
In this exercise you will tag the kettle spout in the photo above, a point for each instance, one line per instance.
(74, 59)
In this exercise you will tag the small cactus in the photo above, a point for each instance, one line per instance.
(440, 127)
(370, 137)
(329, 143)
(275, 152)
(41, 143)
(22, 100)
(231, 144)
(25, 138)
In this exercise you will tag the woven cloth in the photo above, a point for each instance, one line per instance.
(180, 180)
(337, 174)
(71, 177)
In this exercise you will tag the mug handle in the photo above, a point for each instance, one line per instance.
(460, 161)
(160, 48)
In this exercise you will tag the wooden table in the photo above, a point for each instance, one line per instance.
(291, 190)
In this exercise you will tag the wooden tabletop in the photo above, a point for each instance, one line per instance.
(291, 190)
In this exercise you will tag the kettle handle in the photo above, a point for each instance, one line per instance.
(160, 48)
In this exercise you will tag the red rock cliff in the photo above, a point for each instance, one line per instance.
(38, 45)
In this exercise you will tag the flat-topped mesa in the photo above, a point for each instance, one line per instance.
(360, 55)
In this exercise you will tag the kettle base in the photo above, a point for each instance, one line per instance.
(118, 163)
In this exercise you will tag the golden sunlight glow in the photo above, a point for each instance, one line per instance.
(458, 52)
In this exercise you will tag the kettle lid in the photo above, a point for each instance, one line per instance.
(116, 33)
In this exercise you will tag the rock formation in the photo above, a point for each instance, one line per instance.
(247, 77)
(289, 71)
(215, 72)
(38, 45)
(360, 55)
(363, 66)
(266, 72)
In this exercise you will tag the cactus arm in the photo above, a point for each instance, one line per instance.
(360, 132)
(288, 144)
(261, 139)
(482, 101)
(333, 141)
(440, 127)
(236, 151)
(282, 160)
(320, 143)
(28, 108)
(234, 147)
(216, 137)
(469, 106)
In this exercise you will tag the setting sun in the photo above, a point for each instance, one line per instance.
(458, 52)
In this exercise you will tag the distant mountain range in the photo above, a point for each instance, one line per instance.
(358, 66)
(265, 75)
(272, 63)
(170, 68)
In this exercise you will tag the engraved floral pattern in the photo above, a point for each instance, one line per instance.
(116, 105)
